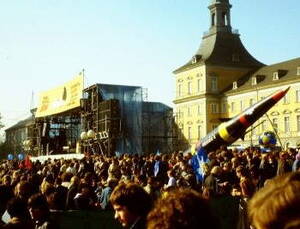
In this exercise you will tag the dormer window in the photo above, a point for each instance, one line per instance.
(298, 71)
(253, 81)
(275, 76)
(234, 85)
(195, 58)
(235, 57)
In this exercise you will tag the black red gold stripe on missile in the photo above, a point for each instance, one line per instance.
(224, 134)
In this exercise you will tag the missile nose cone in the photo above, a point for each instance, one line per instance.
(286, 90)
(280, 94)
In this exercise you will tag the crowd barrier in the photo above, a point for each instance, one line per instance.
(85, 220)
(66, 156)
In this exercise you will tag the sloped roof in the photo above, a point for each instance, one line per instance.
(21, 124)
(218, 49)
(287, 71)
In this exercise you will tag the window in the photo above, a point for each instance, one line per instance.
(298, 123)
(199, 109)
(254, 131)
(241, 105)
(199, 132)
(189, 133)
(199, 85)
(275, 123)
(235, 58)
(298, 96)
(232, 107)
(223, 108)
(214, 108)
(234, 85)
(214, 83)
(253, 81)
(286, 124)
(178, 113)
(179, 90)
(251, 102)
(275, 76)
(286, 99)
(189, 88)
(180, 132)
(189, 112)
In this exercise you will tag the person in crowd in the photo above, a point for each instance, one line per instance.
(39, 212)
(283, 163)
(267, 167)
(61, 194)
(172, 180)
(212, 181)
(71, 169)
(225, 206)
(72, 191)
(103, 198)
(181, 208)
(246, 184)
(19, 215)
(114, 169)
(296, 163)
(6, 191)
(131, 204)
(247, 190)
(277, 205)
(23, 190)
(83, 200)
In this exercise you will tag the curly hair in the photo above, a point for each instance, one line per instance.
(181, 209)
(133, 196)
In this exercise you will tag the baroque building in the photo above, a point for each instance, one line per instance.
(222, 79)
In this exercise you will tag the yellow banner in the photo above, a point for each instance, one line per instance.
(60, 99)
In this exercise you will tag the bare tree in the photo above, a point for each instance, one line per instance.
(1, 124)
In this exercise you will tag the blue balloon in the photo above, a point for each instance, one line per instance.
(21, 156)
(267, 139)
(10, 156)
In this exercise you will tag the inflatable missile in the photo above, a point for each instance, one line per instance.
(228, 132)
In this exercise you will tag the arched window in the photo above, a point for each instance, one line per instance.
(224, 21)
(213, 16)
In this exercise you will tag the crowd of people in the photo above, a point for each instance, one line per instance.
(239, 189)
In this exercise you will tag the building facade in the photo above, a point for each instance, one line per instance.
(222, 79)
(284, 117)
(17, 134)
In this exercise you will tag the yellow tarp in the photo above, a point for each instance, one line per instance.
(60, 99)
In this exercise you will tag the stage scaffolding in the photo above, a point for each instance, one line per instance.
(111, 119)
(57, 133)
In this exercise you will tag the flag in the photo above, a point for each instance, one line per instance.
(28, 163)
(198, 161)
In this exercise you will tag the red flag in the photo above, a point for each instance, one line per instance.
(28, 163)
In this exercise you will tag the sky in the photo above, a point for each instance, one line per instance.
(45, 43)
